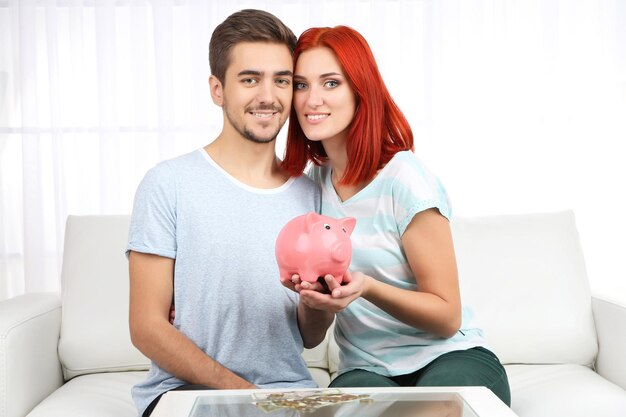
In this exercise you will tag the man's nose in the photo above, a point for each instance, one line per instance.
(266, 92)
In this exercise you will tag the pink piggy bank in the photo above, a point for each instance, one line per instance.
(313, 245)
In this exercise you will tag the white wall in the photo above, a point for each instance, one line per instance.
(518, 105)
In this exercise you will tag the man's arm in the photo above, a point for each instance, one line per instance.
(312, 322)
(151, 290)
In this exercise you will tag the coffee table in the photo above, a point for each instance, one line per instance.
(344, 402)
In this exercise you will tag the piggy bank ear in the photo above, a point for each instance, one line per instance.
(348, 223)
(310, 219)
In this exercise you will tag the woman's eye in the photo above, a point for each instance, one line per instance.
(299, 86)
(331, 84)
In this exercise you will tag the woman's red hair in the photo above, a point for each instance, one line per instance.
(379, 129)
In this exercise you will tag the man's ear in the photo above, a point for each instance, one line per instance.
(217, 90)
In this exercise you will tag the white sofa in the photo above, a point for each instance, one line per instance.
(70, 355)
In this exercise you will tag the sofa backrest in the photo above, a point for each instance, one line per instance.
(524, 276)
(94, 326)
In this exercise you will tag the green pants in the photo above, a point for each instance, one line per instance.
(473, 367)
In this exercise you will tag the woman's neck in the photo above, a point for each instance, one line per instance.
(337, 156)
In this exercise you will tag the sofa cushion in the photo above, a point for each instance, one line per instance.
(95, 395)
(563, 390)
(525, 278)
(94, 327)
(317, 361)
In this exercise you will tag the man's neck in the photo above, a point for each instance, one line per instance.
(254, 164)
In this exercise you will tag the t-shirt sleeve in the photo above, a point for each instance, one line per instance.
(416, 189)
(153, 221)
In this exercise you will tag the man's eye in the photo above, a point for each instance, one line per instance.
(299, 86)
(249, 81)
(283, 82)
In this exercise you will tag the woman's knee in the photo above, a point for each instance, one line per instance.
(361, 378)
(472, 367)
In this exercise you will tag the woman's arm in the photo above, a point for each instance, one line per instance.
(436, 305)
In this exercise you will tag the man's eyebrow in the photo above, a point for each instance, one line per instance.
(259, 73)
(249, 72)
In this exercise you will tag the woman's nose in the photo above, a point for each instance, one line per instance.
(314, 98)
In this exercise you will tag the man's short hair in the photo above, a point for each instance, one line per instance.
(249, 25)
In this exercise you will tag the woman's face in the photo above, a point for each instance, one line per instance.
(322, 97)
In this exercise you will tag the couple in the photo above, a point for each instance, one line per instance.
(204, 226)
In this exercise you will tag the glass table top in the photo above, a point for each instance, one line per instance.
(333, 403)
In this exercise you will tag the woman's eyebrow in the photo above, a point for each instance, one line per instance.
(325, 75)
(329, 74)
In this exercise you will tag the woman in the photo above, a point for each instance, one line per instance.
(399, 318)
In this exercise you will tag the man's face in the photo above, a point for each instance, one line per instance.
(257, 90)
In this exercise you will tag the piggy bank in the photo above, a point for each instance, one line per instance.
(313, 245)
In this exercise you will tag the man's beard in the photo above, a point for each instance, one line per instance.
(247, 133)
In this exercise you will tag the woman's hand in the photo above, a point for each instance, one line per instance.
(338, 296)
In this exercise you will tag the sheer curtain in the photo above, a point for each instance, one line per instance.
(518, 106)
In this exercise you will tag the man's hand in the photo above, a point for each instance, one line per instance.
(294, 283)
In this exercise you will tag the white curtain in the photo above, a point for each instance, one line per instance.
(518, 105)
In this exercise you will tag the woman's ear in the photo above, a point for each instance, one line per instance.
(217, 90)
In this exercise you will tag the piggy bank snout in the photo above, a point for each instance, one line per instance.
(341, 251)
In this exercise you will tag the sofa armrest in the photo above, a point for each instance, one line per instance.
(610, 319)
(29, 363)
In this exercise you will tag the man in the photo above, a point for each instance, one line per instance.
(203, 230)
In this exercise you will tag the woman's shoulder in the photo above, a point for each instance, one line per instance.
(415, 187)
(406, 164)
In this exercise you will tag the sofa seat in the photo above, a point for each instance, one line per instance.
(563, 390)
(94, 395)
(540, 391)
(108, 394)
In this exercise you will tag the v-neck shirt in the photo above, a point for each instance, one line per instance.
(368, 337)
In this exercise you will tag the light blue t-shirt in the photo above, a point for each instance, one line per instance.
(227, 292)
(368, 337)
